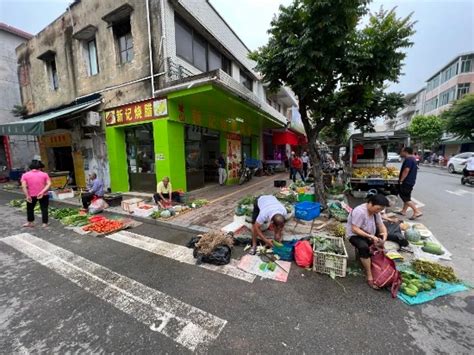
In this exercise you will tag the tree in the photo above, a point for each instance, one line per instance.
(428, 129)
(336, 67)
(460, 117)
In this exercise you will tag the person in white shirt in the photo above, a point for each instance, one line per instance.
(469, 166)
(305, 159)
(267, 208)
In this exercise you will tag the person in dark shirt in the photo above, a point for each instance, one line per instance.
(407, 180)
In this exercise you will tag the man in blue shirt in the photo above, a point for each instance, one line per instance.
(95, 189)
(407, 180)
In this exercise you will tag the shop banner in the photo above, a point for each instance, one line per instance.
(140, 111)
(234, 155)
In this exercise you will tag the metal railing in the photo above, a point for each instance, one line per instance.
(178, 74)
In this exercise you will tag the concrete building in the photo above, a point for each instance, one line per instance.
(15, 152)
(414, 105)
(137, 90)
(450, 83)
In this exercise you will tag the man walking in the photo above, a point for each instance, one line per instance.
(305, 159)
(406, 181)
(222, 172)
(297, 167)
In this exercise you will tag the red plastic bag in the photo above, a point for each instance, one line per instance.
(384, 271)
(303, 254)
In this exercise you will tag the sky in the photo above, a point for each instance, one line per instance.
(444, 28)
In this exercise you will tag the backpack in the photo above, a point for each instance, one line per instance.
(384, 271)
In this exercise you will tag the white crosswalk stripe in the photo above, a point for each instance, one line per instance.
(178, 253)
(189, 326)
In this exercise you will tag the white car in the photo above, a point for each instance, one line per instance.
(393, 157)
(457, 163)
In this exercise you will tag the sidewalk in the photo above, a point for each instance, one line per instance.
(218, 213)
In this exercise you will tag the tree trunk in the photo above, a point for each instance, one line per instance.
(314, 153)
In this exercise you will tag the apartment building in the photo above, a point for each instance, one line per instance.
(450, 83)
(16, 151)
(140, 89)
(414, 105)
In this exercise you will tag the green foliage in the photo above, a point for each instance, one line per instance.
(460, 117)
(337, 67)
(428, 129)
(19, 111)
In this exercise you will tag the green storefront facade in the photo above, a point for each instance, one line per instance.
(180, 136)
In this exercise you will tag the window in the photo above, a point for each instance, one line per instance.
(447, 96)
(199, 53)
(184, 41)
(431, 104)
(53, 73)
(449, 72)
(194, 49)
(246, 80)
(466, 64)
(123, 34)
(433, 83)
(93, 65)
(463, 89)
(246, 147)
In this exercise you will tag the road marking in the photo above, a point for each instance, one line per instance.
(187, 325)
(179, 253)
(418, 203)
(459, 192)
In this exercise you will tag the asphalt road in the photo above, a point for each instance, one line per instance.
(61, 292)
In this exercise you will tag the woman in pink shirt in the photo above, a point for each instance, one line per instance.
(35, 185)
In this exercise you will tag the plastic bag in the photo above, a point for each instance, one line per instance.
(285, 252)
(97, 206)
(384, 271)
(303, 254)
(219, 256)
(192, 243)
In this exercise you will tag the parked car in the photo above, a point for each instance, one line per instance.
(457, 163)
(393, 157)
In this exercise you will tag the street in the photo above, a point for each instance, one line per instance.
(61, 292)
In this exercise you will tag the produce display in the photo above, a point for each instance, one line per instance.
(60, 213)
(77, 220)
(104, 226)
(386, 173)
(432, 248)
(198, 203)
(338, 230)
(434, 270)
(412, 284)
(325, 245)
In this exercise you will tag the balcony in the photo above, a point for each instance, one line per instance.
(181, 78)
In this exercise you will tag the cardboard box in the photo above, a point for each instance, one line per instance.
(131, 203)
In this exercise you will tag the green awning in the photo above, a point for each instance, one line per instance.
(35, 126)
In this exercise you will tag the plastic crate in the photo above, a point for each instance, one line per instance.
(307, 211)
(328, 263)
(287, 251)
(306, 197)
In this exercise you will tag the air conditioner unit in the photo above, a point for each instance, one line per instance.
(92, 119)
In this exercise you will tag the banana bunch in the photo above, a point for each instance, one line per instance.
(384, 172)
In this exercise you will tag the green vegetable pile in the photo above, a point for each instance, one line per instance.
(412, 284)
(338, 230)
(290, 198)
(325, 245)
(17, 203)
(75, 220)
(247, 200)
(198, 203)
(434, 270)
(270, 266)
(60, 213)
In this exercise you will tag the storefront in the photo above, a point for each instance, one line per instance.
(188, 130)
(61, 136)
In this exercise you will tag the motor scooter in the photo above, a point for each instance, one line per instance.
(468, 178)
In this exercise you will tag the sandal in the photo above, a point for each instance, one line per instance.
(400, 213)
(371, 285)
(253, 251)
(414, 218)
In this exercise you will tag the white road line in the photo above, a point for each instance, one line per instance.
(418, 203)
(187, 325)
(178, 253)
(459, 192)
